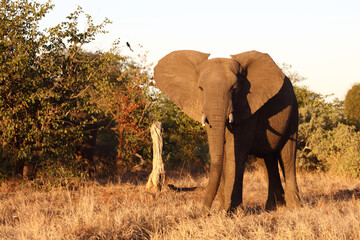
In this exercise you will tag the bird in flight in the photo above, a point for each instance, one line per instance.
(128, 45)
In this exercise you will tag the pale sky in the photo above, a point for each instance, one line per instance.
(320, 39)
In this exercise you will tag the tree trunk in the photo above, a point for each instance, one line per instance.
(157, 176)
(26, 171)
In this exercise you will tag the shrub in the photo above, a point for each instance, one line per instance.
(53, 93)
(352, 104)
(316, 118)
(325, 142)
(340, 151)
(185, 140)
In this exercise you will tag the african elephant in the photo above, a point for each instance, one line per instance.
(248, 106)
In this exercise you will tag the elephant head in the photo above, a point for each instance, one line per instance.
(220, 91)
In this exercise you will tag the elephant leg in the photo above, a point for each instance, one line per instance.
(275, 189)
(288, 156)
(233, 172)
(220, 192)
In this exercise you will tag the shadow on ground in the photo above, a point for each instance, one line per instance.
(340, 195)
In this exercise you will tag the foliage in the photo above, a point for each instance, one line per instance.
(53, 93)
(26, 97)
(340, 150)
(325, 142)
(185, 140)
(316, 118)
(128, 105)
(56, 97)
(352, 104)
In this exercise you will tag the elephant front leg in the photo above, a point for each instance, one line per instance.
(220, 193)
(233, 173)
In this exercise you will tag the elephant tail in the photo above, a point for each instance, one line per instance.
(182, 189)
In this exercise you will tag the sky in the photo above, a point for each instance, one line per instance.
(319, 39)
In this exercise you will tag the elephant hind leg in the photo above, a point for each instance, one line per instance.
(288, 158)
(275, 189)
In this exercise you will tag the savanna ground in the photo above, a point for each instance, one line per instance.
(125, 210)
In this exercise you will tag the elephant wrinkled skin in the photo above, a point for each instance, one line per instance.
(249, 107)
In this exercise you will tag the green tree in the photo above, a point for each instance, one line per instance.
(316, 118)
(325, 142)
(53, 92)
(352, 104)
(339, 150)
(185, 140)
(20, 75)
(128, 104)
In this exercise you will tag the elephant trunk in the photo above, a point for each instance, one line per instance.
(216, 136)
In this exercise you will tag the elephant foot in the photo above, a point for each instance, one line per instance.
(231, 207)
(277, 199)
(231, 213)
(270, 205)
(234, 210)
(280, 199)
(292, 200)
(205, 211)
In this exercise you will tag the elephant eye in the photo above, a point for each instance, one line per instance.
(234, 87)
(201, 88)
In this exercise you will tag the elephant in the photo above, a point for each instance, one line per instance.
(248, 107)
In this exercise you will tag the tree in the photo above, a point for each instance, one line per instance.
(20, 75)
(157, 177)
(316, 118)
(53, 92)
(128, 105)
(325, 142)
(352, 104)
(185, 140)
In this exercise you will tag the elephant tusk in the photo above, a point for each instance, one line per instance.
(203, 120)
(231, 118)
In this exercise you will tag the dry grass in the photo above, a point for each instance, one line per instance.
(126, 211)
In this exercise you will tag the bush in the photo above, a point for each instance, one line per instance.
(340, 151)
(316, 118)
(185, 140)
(352, 104)
(325, 141)
(54, 96)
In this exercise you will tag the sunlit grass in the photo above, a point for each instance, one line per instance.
(331, 210)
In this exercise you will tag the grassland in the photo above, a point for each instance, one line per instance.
(125, 210)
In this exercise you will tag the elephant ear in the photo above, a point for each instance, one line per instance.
(176, 75)
(264, 76)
